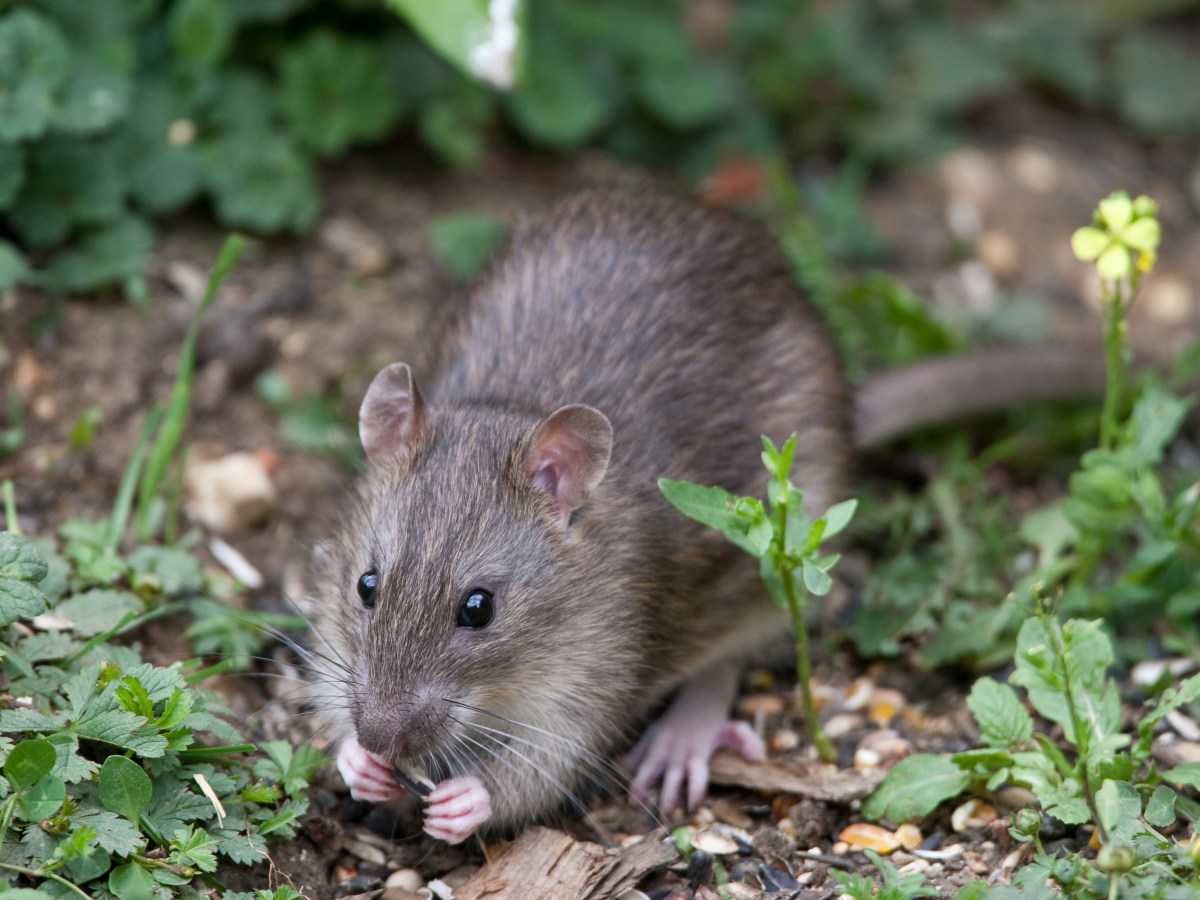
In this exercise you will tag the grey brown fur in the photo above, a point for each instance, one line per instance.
(684, 328)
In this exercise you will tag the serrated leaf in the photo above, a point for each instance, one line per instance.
(124, 787)
(69, 765)
(916, 786)
(113, 833)
(335, 91)
(96, 611)
(261, 181)
(178, 571)
(34, 62)
(28, 763)
(102, 255)
(1160, 807)
(19, 600)
(1063, 800)
(202, 30)
(18, 720)
(122, 729)
(20, 559)
(1154, 422)
(1003, 720)
(711, 506)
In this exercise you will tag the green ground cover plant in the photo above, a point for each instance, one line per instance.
(116, 112)
(122, 778)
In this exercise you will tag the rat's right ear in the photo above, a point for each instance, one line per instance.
(568, 456)
(391, 417)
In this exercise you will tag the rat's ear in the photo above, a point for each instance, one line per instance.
(568, 455)
(391, 417)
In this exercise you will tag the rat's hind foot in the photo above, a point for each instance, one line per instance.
(679, 744)
(456, 808)
(368, 775)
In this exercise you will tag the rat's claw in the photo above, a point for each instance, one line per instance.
(368, 775)
(678, 746)
(456, 808)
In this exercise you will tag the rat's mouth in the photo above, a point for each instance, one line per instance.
(412, 779)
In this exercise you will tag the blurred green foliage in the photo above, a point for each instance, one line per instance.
(114, 112)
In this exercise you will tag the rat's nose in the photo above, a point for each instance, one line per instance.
(396, 729)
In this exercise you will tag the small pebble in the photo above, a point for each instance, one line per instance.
(700, 868)
(999, 252)
(761, 704)
(364, 851)
(969, 175)
(975, 813)
(633, 894)
(887, 744)
(842, 724)
(909, 836)
(783, 740)
(866, 759)
(865, 836)
(715, 843)
(858, 694)
(405, 879)
(730, 813)
(1034, 168)
(1184, 726)
(1013, 798)
(231, 493)
(884, 704)
(1149, 672)
(916, 866)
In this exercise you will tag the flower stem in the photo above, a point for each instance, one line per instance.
(825, 749)
(44, 873)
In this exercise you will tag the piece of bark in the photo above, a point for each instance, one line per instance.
(796, 778)
(543, 864)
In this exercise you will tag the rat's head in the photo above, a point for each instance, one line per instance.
(471, 611)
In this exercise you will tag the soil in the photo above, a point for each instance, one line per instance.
(982, 232)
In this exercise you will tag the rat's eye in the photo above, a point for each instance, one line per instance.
(368, 581)
(476, 608)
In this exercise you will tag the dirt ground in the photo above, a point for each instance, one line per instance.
(983, 232)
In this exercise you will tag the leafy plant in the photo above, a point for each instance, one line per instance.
(781, 537)
(894, 886)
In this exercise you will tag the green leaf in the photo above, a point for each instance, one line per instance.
(711, 506)
(463, 242)
(193, 847)
(202, 30)
(13, 269)
(34, 62)
(95, 95)
(916, 786)
(102, 255)
(20, 559)
(114, 834)
(43, 799)
(1154, 422)
(131, 882)
(28, 763)
(261, 180)
(124, 787)
(1160, 808)
(1152, 81)
(684, 94)
(481, 38)
(177, 570)
(816, 580)
(559, 105)
(19, 600)
(71, 182)
(1003, 720)
(837, 517)
(335, 91)
(1119, 808)
(1187, 774)
(96, 611)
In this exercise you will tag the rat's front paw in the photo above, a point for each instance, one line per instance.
(368, 775)
(456, 808)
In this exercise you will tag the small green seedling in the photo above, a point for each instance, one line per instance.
(786, 542)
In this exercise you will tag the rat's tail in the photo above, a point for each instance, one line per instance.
(943, 389)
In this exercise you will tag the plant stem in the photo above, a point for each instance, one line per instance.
(42, 873)
(825, 749)
(1114, 357)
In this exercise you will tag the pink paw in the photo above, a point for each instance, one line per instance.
(456, 808)
(368, 775)
(674, 750)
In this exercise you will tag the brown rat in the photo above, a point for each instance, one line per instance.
(511, 596)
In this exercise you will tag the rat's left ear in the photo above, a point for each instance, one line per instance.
(392, 416)
(568, 456)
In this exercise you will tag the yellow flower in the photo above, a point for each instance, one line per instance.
(1122, 225)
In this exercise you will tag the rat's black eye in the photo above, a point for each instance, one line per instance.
(476, 608)
(368, 581)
